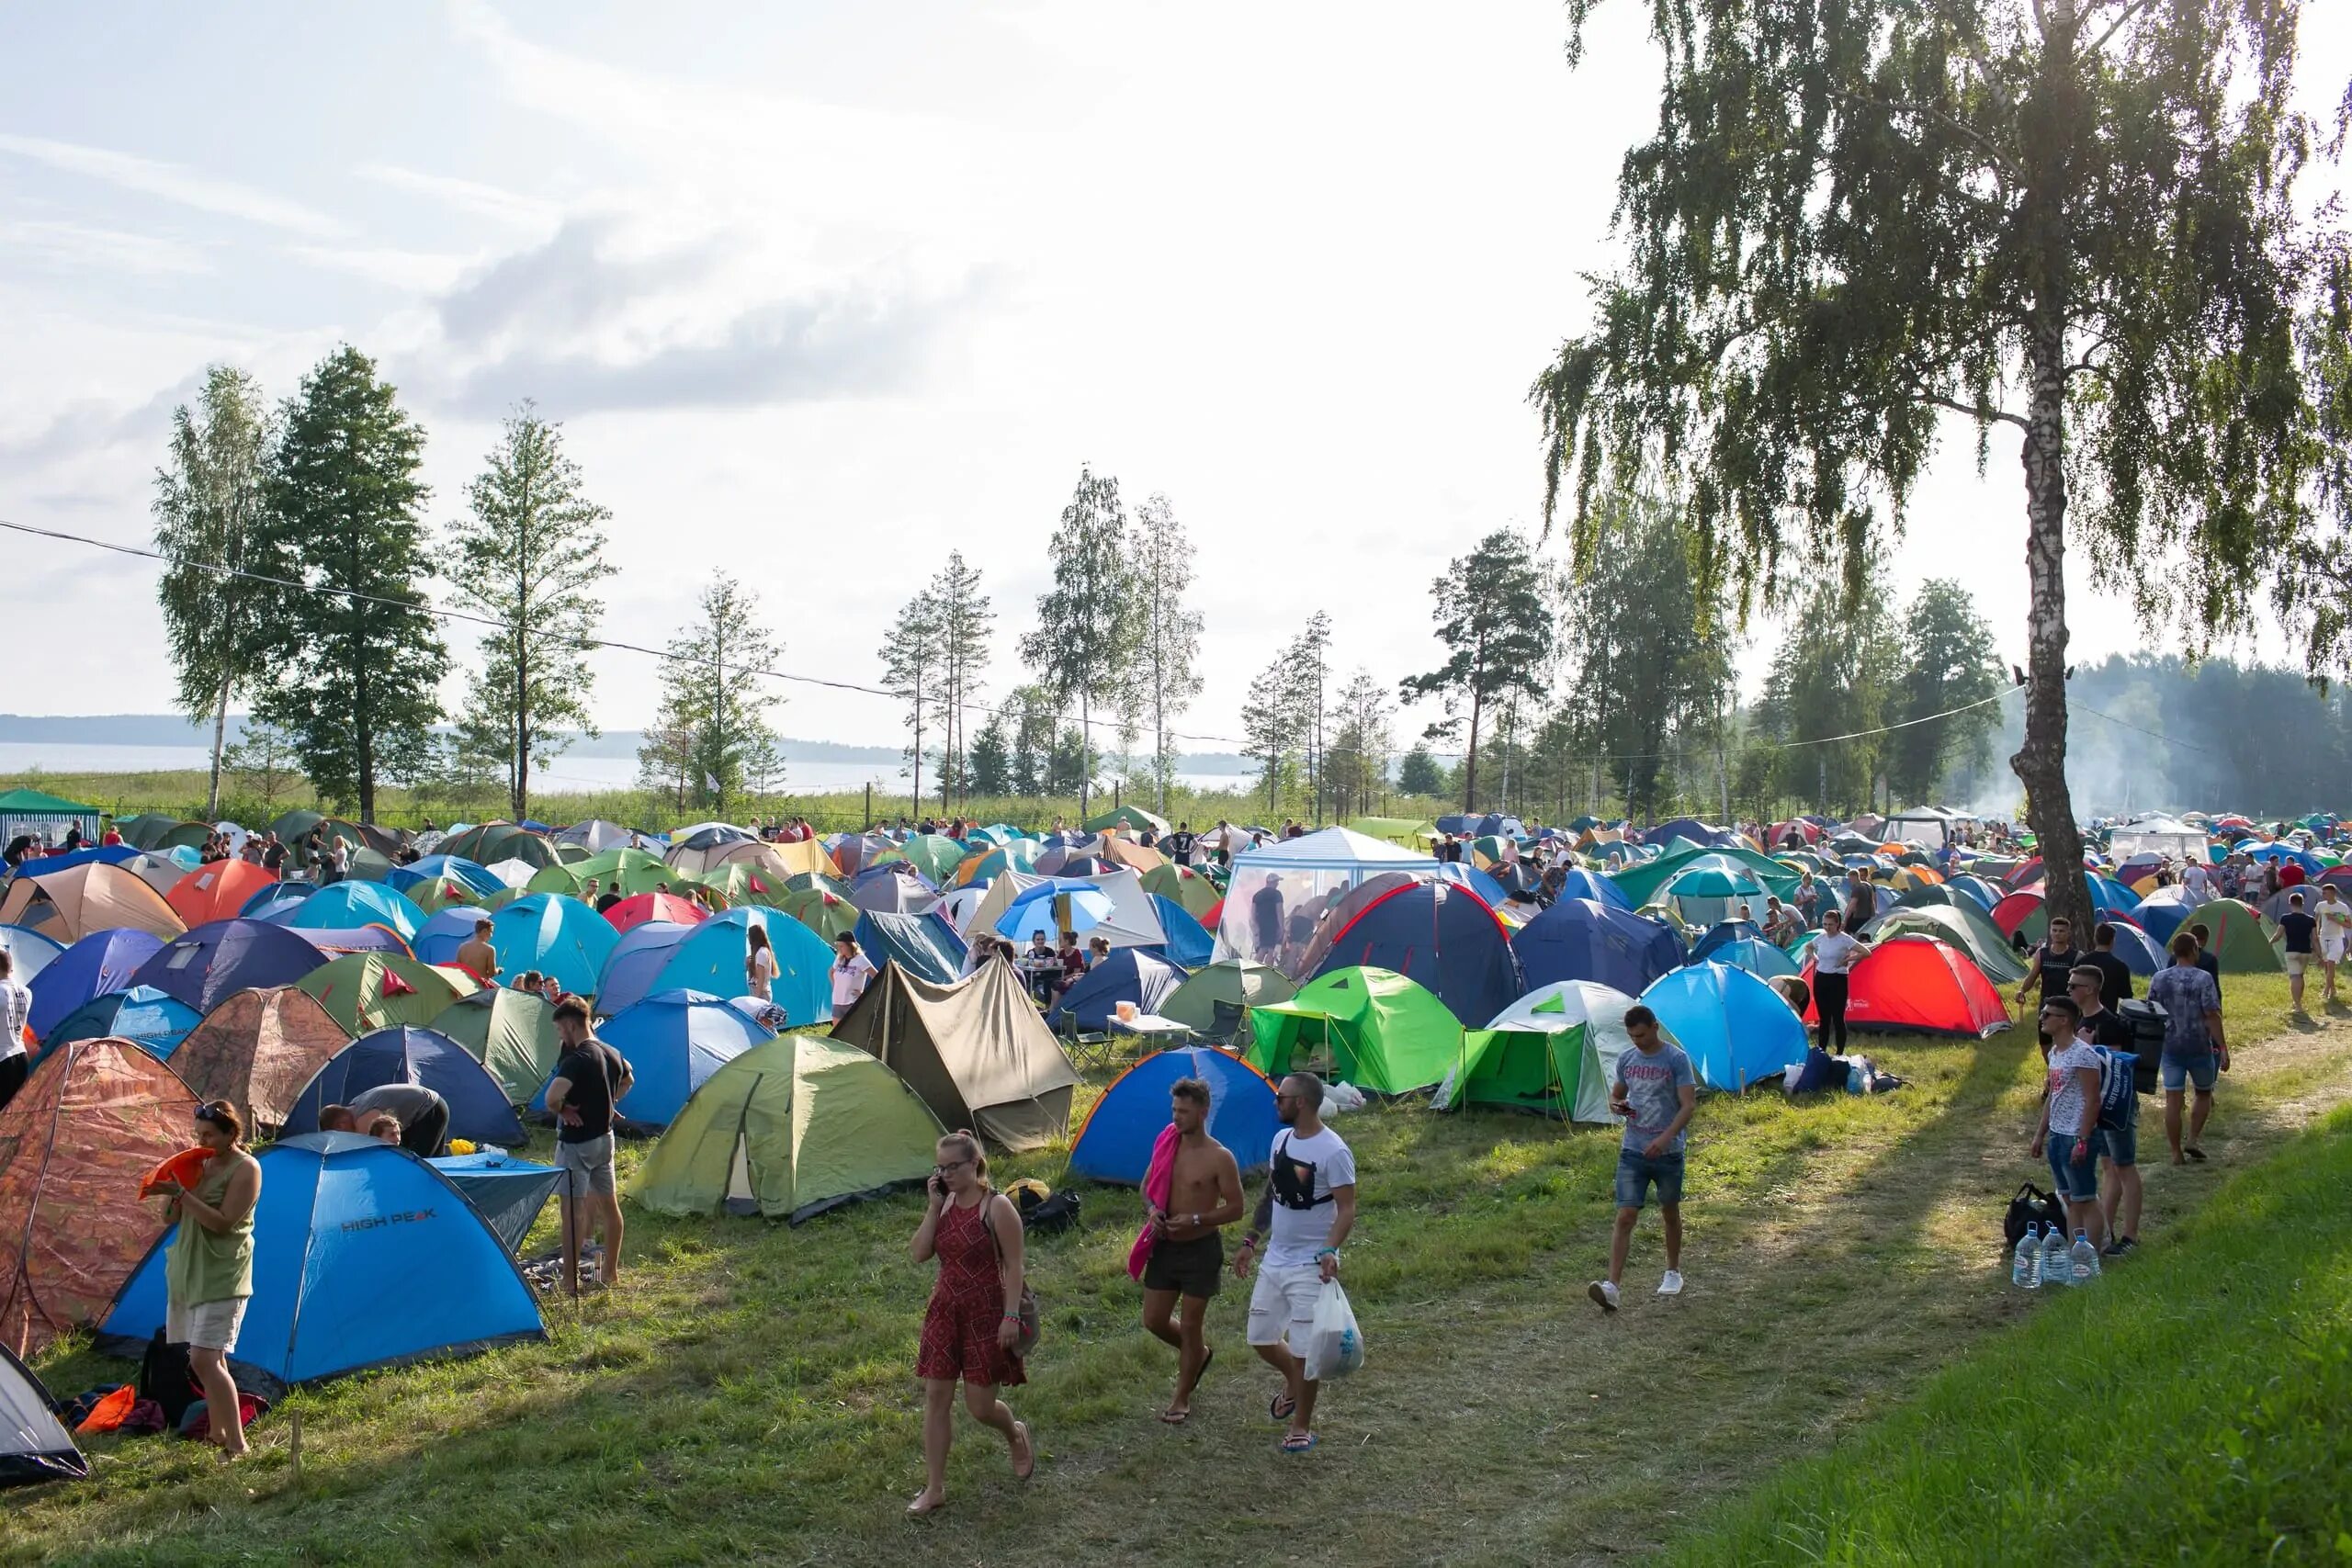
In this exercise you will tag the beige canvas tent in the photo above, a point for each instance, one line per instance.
(93, 896)
(976, 1052)
(258, 1049)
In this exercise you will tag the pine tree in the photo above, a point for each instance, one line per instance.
(965, 616)
(1084, 643)
(529, 558)
(1497, 632)
(354, 659)
(713, 730)
(913, 670)
(1169, 639)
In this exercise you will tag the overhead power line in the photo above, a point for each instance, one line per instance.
(446, 613)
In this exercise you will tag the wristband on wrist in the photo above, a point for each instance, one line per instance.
(1326, 1252)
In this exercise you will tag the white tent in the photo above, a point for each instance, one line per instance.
(1300, 872)
(596, 836)
(1134, 921)
(1924, 826)
(2157, 836)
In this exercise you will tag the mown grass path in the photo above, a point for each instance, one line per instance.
(747, 1397)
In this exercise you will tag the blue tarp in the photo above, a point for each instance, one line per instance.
(1581, 939)
(101, 962)
(1443, 937)
(1115, 1144)
(923, 945)
(478, 1107)
(1127, 974)
(1737, 1030)
(1189, 944)
(207, 962)
(363, 1256)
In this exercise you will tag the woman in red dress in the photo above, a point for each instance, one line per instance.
(973, 1320)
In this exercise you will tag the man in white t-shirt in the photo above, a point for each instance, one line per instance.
(15, 1006)
(2334, 912)
(2069, 1125)
(2198, 882)
(1306, 1211)
(850, 972)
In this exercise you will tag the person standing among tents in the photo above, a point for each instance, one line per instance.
(2119, 1146)
(850, 972)
(971, 1330)
(1834, 954)
(476, 955)
(1179, 847)
(2069, 1130)
(1266, 919)
(1304, 1214)
(2052, 962)
(2194, 1045)
(1187, 1256)
(2115, 975)
(16, 1006)
(1654, 1087)
(2205, 958)
(591, 1077)
(208, 1270)
(759, 964)
(2301, 931)
(2334, 917)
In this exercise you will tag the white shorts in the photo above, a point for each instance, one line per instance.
(1284, 1299)
(208, 1325)
(2331, 950)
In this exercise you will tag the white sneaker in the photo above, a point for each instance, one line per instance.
(1671, 1285)
(1604, 1293)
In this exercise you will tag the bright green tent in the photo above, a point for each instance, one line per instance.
(1402, 831)
(2242, 943)
(624, 871)
(367, 991)
(1550, 1073)
(934, 854)
(558, 879)
(1134, 818)
(155, 830)
(1182, 886)
(793, 1126)
(1214, 1000)
(1962, 923)
(509, 1032)
(822, 912)
(741, 882)
(1374, 1028)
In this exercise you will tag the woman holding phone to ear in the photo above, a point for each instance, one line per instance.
(973, 1320)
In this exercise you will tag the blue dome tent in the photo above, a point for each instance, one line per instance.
(205, 964)
(1189, 944)
(347, 905)
(345, 1228)
(1723, 933)
(2138, 950)
(557, 935)
(142, 1015)
(1737, 1030)
(1128, 975)
(924, 944)
(712, 956)
(636, 963)
(478, 1106)
(1441, 935)
(1581, 939)
(672, 1041)
(1115, 1143)
(437, 941)
(1581, 883)
(101, 962)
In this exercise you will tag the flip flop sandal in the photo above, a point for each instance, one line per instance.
(1028, 1443)
(1281, 1407)
(1174, 1417)
(2197, 1154)
(1298, 1442)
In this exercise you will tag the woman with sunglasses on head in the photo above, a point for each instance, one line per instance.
(208, 1270)
(973, 1324)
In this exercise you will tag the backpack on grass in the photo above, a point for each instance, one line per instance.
(2032, 1206)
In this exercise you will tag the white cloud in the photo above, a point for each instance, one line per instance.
(471, 196)
(75, 247)
(410, 270)
(174, 182)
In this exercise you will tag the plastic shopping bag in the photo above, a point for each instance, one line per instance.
(1334, 1343)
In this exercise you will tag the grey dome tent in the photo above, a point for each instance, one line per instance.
(34, 1444)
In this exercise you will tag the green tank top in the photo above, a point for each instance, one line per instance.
(203, 1267)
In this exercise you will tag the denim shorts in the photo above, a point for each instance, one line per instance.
(2199, 1070)
(1636, 1171)
(2121, 1144)
(2076, 1181)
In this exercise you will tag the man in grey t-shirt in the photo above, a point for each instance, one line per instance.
(1654, 1089)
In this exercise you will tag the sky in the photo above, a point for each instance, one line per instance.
(821, 292)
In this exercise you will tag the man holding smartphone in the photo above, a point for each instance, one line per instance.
(1654, 1089)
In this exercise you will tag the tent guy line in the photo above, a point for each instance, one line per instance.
(442, 613)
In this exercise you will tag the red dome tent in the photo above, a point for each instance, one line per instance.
(1922, 986)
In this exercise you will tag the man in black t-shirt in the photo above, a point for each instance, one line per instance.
(2115, 975)
(2119, 1147)
(2301, 929)
(1179, 847)
(2052, 962)
(590, 1079)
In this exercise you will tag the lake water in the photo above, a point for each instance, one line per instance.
(569, 775)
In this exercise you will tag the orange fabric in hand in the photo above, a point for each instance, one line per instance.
(186, 1169)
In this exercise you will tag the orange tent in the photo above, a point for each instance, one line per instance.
(217, 892)
(93, 1118)
(68, 905)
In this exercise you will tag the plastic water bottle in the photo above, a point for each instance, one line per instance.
(2056, 1267)
(2025, 1269)
(2082, 1259)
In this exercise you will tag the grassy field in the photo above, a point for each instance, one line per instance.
(2190, 1408)
(747, 1395)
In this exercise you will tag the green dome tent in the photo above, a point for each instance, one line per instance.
(1374, 1028)
(367, 991)
(153, 830)
(1963, 925)
(792, 1127)
(1406, 832)
(625, 872)
(495, 842)
(2241, 941)
(509, 1032)
(1184, 886)
(1134, 818)
(1215, 1001)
